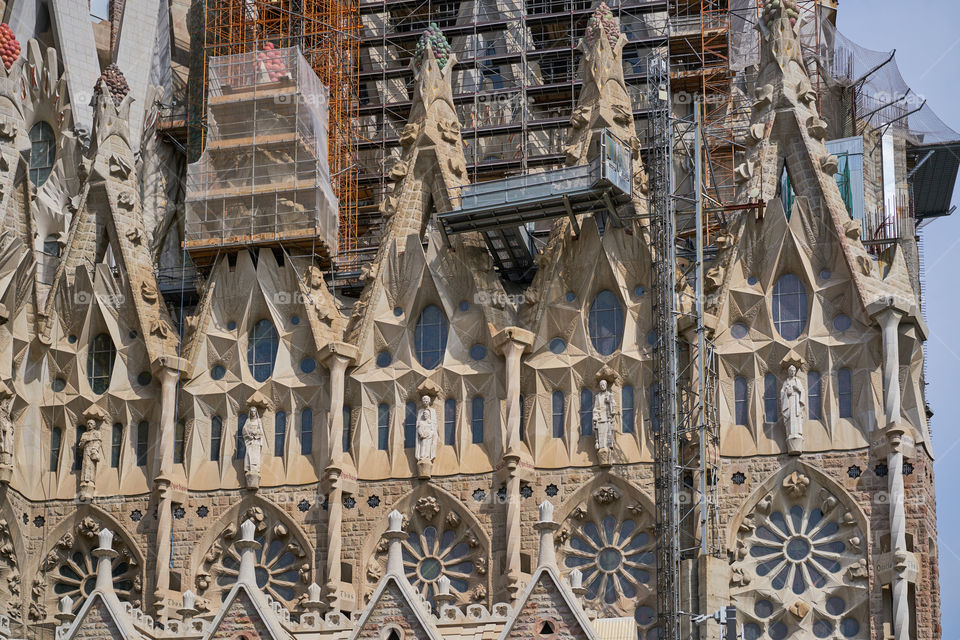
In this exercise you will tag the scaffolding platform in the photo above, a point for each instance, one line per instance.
(502, 209)
(263, 178)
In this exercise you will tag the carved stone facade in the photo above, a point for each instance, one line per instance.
(285, 459)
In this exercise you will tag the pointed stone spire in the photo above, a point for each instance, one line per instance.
(248, 547)
(105, 555)
(546, 527)
(65, 613)
(394, 535)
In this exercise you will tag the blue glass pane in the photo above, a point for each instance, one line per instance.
(307, 365)
(740, 399)
(347, 432)
(262, 350)
(217, 372)
(478, 352)
(558, 413)
(450, 421)
(586, 412)
(771, 399)
(384, 359)
(430, 337)
(842, 322)
(383, 427)
(739, 331)
(279, 433)
(476, 420)
(557, 345)
(789, 306)
(410, 425)
(626, 398)
(306, 432)
(605, 323)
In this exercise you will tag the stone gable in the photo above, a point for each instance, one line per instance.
(546, 605)
(98, 624)
(393, 609)
(241, 617)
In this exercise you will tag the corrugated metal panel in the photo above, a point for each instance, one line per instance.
(615, 628)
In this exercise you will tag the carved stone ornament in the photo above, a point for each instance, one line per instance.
(606, 495)
(796, 484)
(428, 507)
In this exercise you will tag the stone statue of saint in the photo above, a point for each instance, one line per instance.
(426, 431)
(792, 402)
(6, 431)
(92, 453)
(253, 438)
(605, 416)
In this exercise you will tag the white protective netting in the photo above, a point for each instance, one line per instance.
(263, 176)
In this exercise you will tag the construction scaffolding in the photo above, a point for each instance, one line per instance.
(327, 35)
(263, 177)
(515, 83)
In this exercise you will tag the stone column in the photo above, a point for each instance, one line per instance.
(547, 556)
(336, 356)
(898, 534)
(105, 555)
(512, 342)
(163, 437)
(889, 319)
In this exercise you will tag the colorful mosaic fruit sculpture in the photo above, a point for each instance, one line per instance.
(272, 62)
(9, 47)
(115, 83)
(771, 9)
(432, 38)
(602, 21)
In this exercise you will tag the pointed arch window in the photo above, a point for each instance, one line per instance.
(216, 437)
(586, 412)
(450, 422)
(789, 306)
(785, 190)
(262, 350)
(771, 400)
(279, 434)
(410, 425)
(116, 442)
(476, 420)
(430, 337)
(845, 393)
(240, 447)
(100, 359)
(43, 152)
(56, 440)
(629, 416)
(306, 432)
(558, 413)
(605, 322)
(740, 399)
(383, 426)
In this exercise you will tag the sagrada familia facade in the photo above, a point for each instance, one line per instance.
(447, 455)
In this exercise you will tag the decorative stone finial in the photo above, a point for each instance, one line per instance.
(247, 546)
(394, 535)
(602, 22)
(546, 527)
(395, 518)
(113, 82)
(313, 601)
(313, 592)
(189, 608)
(443, 585)
(65, 613)
(434, 40)
(105, 555)
(771, 10)
(576, 583)
(444, 596)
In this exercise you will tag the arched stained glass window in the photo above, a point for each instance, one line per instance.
(216, 437)
(626, 397)
(740, 399)
(100, 359)
(845, 393)
(476, 420)
(586, 412)
(43, 152)
(143, 442)
(430, 337)
(383, 426)
(558, 413)
(450, 422)
(262, 350)
(279, 433)
(605, 322)
(240, 447)
(789, 306)
(410, 425)
(771, 400)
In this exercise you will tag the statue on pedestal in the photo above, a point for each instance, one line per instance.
(91, 451)
(426, 436)
(6, 437)
(253, 438)
(605, 416)
(792, 402)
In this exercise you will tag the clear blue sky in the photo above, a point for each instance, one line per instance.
(927, 41)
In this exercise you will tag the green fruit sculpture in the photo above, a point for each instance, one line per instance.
(433, 39)
(602, 22)
(771, 10)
